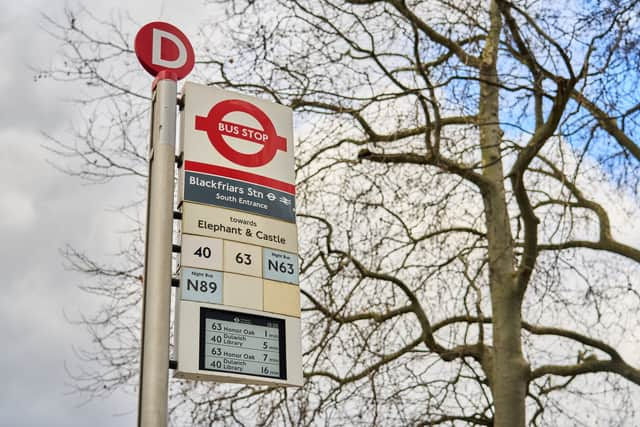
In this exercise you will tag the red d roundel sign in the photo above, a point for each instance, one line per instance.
(217, 128)
(160, 46)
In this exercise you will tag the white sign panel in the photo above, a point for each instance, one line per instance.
(238, 132)
(221, 343)
(237, 152)
(238, 309)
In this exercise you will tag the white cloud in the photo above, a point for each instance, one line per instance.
(18, 211)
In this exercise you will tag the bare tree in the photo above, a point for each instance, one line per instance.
(461, 170)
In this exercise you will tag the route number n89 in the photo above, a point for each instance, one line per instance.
(202, 286)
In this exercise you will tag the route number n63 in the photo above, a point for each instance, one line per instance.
(282, 267)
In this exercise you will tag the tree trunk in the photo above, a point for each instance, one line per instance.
(509, 376)
(509, 369)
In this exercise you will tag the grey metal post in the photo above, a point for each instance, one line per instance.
(154, 358)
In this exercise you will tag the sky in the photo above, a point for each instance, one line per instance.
(42, 210)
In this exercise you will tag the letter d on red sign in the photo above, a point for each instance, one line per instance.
(160, 46)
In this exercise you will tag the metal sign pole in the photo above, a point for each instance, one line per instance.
(154, 359)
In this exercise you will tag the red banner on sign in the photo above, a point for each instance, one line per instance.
(240, 175)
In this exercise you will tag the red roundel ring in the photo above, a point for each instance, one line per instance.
(160, 46)
(216, 115)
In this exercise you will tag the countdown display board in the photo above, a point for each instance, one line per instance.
(238, 304)
(243, 343)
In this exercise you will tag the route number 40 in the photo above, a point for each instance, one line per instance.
(203, 252)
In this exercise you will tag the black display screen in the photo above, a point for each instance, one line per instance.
(242, 343)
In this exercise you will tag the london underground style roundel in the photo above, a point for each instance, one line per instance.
(237, 152)
(217, 128)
